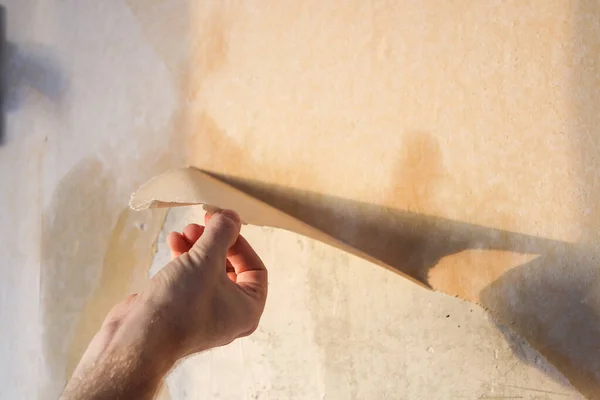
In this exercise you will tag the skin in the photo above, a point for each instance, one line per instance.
(211, 293)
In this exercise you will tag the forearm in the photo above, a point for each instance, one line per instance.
(125, 360)
(115, 377)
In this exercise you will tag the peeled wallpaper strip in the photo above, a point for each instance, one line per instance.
(192, 186)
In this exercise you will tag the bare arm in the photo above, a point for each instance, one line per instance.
(213, 292)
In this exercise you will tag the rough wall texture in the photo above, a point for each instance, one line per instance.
(474, 123)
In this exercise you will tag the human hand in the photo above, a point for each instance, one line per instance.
(212, 292)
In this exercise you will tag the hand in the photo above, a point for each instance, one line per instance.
(212, 292)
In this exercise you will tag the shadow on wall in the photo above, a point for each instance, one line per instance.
(554, 300)
(31, 66)
(550, 302)
(409, 242)
(543, 300)
(25, 67)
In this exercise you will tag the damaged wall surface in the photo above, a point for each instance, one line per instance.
(456, 142)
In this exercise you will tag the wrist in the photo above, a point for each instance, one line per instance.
(175, 336)
(144, 336)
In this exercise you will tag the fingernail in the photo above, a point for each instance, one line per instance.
(231, 215)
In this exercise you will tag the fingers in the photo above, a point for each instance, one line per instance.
(180, 243)
(249, 268)
(230, 271)
(220, 233)
(220, 239)
(192, 233)
(243, 258)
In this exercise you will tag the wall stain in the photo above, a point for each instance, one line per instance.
(418, 177)
(124, 271)
(165, 25)
(207, 146)
(417, 174)
(203, 27)
(210, 49)
(212, 148)
(75, 231)
(84, 253)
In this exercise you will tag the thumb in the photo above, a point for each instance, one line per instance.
(221, 232)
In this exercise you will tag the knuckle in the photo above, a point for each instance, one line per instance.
(252, 327)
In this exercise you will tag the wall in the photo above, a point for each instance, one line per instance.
(101, 96)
